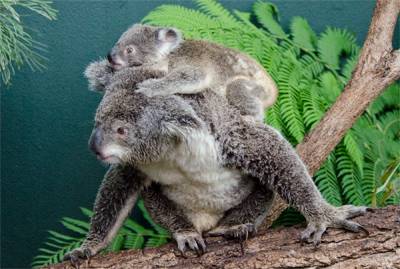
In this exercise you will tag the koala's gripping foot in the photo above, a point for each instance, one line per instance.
(191, 239)
(338, 219)
(241, 231)
(75, 256)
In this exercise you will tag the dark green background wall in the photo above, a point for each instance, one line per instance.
(46, 118)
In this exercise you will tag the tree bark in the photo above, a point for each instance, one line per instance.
(377, 68)
(278, 248)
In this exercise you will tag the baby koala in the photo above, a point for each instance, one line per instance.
(191, 66)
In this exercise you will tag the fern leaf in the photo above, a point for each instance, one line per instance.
(289, 100)
(267, 15)
(133, 241)
(156, 242)
(333, 43)
(328, 183)
(215, 10)
(350, 177)
(183, 18)
(330, 87)
(313, 105)
(353, 149)
(302, 33)
(160, 230)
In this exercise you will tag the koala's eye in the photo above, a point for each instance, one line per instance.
(121, 130)
(129, 50)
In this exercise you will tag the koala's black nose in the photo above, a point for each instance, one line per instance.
(95, 141)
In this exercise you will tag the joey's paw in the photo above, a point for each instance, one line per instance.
(151, 87)
(338, 218)
(241, 232)
(149, 92)
(75, 256)
(190, 240)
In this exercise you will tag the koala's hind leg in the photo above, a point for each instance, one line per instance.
(247, 96)
(116, 197)
(243, 220)
(165, 212)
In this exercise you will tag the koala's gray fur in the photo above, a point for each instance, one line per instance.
(191, 66)
(198, 165)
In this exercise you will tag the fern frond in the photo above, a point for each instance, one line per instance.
(349, 176)
(332, 43)
(215, 10)
(183, 18)
(328, 183)
(289, 100)
(267, 15)
(353, 149)
(330, 87)
(303, 34)
(313, 105)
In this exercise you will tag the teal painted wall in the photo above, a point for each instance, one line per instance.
(46, 118)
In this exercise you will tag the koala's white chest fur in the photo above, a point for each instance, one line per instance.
(194, 179)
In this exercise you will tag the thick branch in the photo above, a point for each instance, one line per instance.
(279, 248)
(377, 68)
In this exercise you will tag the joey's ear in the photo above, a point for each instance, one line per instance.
(98, 74)
(168, 39)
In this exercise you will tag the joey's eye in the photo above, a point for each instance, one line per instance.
(129, 50)
(121, 130)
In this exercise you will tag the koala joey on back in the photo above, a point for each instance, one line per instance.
(200, 168)
(191, 66)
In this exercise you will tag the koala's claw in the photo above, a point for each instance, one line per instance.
(240, 231)
(191, 239)
(315, 230)
(76, 255)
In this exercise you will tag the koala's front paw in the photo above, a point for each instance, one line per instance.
(337, 218)
(78, 254)
(240, 231)
(150, 88)
(192, 239)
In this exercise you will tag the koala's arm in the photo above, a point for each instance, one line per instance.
(165, 212)
(101, 76)
(185, 80)
(261, 152)
(116, 197)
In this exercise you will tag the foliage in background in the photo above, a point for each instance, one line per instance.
(310, 70)
(17, 47)
(132, 235)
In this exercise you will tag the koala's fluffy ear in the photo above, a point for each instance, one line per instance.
(98, 74)
(168, 39)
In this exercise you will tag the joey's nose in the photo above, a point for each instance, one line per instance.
(95, 141)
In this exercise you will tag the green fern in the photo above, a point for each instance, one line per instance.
(132, 235)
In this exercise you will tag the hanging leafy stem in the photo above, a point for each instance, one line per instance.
(17, 47)
(310, 70)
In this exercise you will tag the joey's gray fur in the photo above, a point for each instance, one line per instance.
(198, 165)
(191, 66)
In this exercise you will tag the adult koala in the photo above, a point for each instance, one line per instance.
(199, 166)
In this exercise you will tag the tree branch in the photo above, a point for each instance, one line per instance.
(377, 68)
(278, 248)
